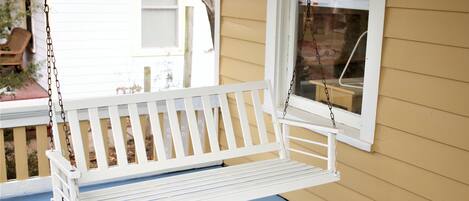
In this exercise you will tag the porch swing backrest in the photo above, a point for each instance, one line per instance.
(169, 102)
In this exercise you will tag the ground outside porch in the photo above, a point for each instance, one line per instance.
(31, 91)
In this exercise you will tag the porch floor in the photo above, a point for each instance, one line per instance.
(47, 196)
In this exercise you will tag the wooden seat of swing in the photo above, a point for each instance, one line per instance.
(239, 182)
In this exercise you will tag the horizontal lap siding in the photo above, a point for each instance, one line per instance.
(421, 149)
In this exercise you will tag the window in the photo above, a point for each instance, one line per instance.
(159, 23)
(348, 35)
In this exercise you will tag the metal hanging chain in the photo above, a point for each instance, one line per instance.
(51, 68)
(318, 57)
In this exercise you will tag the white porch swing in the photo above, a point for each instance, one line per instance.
(241, 182)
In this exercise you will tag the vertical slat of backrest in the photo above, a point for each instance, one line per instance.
(193, 127)
(21, 156)
(202, 129)
(138, 134)
(42, 145)
(185, 133)
(144, 123)
(212, 133)
(175, 129)
(227, 123)
(118, 135)
(258, 111)
(3, 164)
(243, 119)
(98, 141)
(156, 130)
(57, 136)
(61, 141)
(104, 133)
(84, 128)
(77, 140)
(277, 129)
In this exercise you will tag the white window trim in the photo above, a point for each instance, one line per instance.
(359, 129)
(136, 24)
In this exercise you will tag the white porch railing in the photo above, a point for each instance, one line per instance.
(24, 167)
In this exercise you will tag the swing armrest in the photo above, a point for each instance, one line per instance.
(309, 126)
(62, 164)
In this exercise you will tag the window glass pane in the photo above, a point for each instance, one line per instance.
(159, 28)
(159, 3)
(336, 30)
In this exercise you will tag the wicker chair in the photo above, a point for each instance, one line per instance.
(11, 53)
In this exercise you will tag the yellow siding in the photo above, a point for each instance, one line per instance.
(421, 149)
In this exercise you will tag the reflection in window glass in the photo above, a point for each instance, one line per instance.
(337, 31)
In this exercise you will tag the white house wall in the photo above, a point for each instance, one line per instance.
(93, 45)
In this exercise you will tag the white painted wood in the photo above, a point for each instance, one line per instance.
(98, 141)
(155, 167)
(217, 34)
(55, 181)
(286, 140)
(118, 135)
(193, 127)
(331, 152)
(55, 130)
(307, 141)
(207, 184)
(215, 184)
(277, 130)
(243, 119)
(17, 188)
(227, 122)
(137, 134)
(309, 126)
(77, 140)
(212, 132)
(62, 164)
(175, 128)
(372, 70)
(162, 95)
(259, 117)
(308, 154)
(156, 130)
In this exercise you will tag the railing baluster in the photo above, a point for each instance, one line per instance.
(243, 119)
(42, 145)
(212, 132)
(194, 130)
(98, 138)
(175, 128)
(138, 134)
(118, 135)
(228, 124)
(21, 156)
(3, 164)
(259, 117)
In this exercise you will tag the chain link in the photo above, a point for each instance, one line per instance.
(308, 23)
(51, 68)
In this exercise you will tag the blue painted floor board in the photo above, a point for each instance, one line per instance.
(47, 196)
